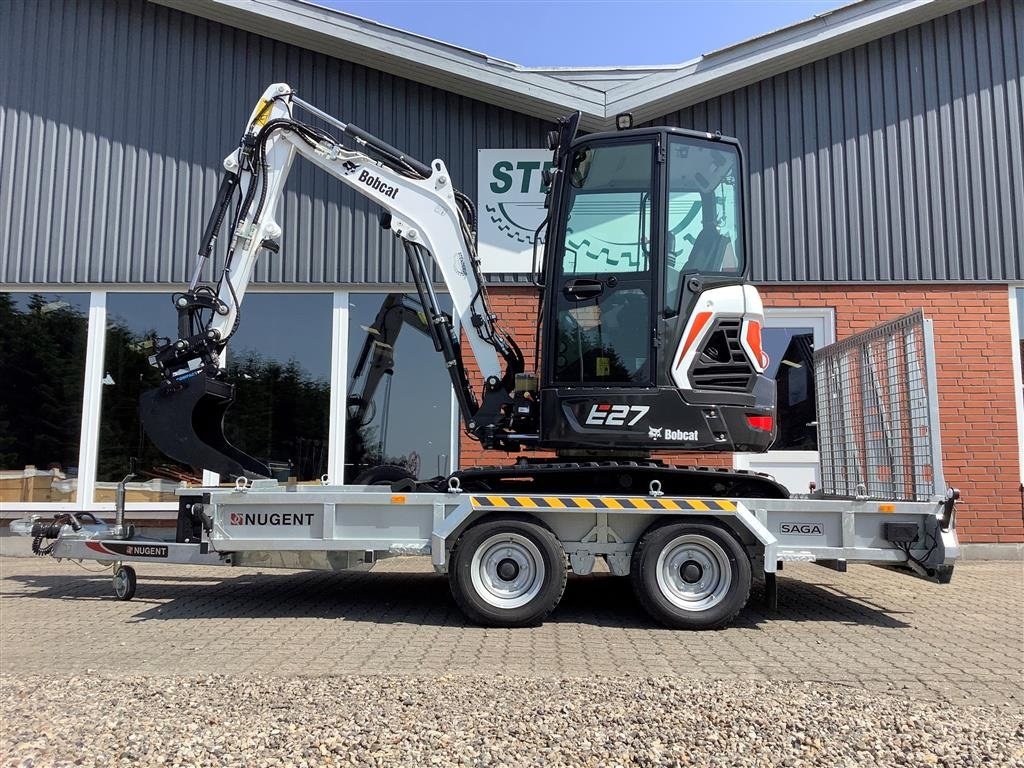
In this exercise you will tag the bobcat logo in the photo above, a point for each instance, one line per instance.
(653, 433)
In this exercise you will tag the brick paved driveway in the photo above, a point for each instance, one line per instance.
(868, 627)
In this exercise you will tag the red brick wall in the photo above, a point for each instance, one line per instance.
(976, 396)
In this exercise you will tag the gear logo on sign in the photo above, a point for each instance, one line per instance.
(510, 195)
(235, 518)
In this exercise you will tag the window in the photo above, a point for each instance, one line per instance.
(400, 399)
(609, 220)
(791, 354)
(603, 309)
(280, 363)
(704, 213)
(42, 373)
(790, 337)
(135, 323)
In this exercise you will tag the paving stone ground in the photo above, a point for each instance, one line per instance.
(868, 628)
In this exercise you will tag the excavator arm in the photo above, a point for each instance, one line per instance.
(433, 220)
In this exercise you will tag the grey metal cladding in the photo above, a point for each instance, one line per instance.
(897, 160)
(115, 117)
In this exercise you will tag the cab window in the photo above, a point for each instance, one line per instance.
(704, 221)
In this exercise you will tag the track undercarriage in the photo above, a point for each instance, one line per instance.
(617, 476)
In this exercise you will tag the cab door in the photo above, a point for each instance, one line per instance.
(600, 322)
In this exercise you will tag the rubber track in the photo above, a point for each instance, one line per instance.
(602, 477)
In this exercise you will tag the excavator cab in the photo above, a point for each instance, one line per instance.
(650, 335)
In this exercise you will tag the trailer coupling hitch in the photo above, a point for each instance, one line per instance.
(49, 530)
(185, 420)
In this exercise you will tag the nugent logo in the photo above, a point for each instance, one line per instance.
(608, 415)
(271, 518)
(128, 549)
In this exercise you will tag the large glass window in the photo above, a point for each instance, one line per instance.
(42, 373)
(704, 213)
(791, 352)
(399, 399)
(134, 322)
(280, 363)
(603, 293)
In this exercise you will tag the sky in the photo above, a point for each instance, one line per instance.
(585, 33)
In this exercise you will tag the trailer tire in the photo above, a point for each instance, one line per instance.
(691, 575)
(507, 573)
(125, 583)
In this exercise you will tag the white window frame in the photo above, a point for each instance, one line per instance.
(92, 391)
(1018, 380)
(822, 320)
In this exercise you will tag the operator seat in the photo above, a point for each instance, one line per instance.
(708, 252)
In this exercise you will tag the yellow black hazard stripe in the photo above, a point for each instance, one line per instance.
(604, 502)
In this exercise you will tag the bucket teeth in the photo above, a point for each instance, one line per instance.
(186, 422)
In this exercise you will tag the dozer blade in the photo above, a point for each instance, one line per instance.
(187, 425)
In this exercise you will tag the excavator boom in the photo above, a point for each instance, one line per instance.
(434, 221)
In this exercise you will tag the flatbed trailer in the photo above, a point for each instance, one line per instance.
(692, 560)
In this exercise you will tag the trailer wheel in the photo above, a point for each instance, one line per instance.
(507, 573)
(691, 575)
(124, 582)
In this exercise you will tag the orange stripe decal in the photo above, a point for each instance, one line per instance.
(699, 321)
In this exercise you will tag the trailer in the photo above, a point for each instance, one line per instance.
(882, 501)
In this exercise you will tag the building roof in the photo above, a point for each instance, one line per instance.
(598, 92)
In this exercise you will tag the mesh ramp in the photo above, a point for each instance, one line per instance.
(878, 413)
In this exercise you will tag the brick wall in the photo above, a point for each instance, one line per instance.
(976, 397)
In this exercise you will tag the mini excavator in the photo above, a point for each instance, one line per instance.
(648, 339)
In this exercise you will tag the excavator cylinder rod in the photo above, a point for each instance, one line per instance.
(185, 420)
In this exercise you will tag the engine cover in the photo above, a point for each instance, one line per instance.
(656, 419)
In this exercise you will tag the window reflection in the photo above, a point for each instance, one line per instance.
(280, 363)
(399, 410)
(791, 351)
(42, 371)
(134, 320)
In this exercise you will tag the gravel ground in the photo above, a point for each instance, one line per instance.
(475, 720)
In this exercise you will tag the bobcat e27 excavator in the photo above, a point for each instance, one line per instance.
(648, 342)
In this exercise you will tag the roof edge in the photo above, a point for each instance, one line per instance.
(537, 91)
(403, 54)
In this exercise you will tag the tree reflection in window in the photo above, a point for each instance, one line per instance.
(280, 414)
(42, 372)
(280, 363)
(135, 321)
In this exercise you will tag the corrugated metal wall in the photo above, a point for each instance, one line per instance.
(897, 160)
(114, 119)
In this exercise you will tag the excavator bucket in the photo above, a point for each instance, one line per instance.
(187, 424)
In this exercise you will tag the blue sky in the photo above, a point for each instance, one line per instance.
(581, 33)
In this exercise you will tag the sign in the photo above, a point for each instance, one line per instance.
(510, 200)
